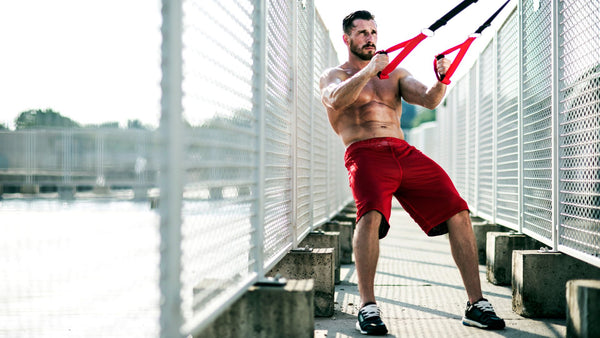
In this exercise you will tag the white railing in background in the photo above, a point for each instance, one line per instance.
(528, 112)
(255, 159)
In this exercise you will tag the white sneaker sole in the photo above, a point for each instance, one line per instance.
(469, 322)
(359, 329)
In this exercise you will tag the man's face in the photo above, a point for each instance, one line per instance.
(363, 39)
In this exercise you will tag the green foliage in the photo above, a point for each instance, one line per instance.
(3, 126)
(408, 115)
(135, 124)
(37, 118)
(424, 115)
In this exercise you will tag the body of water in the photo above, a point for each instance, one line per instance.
(79, 269)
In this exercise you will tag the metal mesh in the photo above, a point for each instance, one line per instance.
(220, 155)
(485, 151)
(460, 136)
(472, 150)
(507, 149)
(580, 126)
(445, 125)
(321, 128)
(537, 119)
(536, 150)
(304, 114)
(279, 103)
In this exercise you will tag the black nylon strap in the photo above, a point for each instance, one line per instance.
(489, 21)
(444, 19)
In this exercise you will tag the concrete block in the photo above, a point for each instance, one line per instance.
(346, 230)
(499, 249)
(539, 279)
(325, 239)
(350, 209)
(318, 265)
(268, 311)
(140, 193)
(66, 193)
(30, 189)
(583, 308)
(481, 229)
(343, 217)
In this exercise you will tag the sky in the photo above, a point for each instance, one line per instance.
(99, 61)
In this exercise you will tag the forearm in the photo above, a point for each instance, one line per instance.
(434, 95)
(346, 93)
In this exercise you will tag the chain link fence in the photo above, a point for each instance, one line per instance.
(532, 115)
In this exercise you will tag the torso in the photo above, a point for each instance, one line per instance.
(376, 112)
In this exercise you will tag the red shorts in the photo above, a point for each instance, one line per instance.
(380, 168)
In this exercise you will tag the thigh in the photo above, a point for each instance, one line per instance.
(427, 193)
(374, 176)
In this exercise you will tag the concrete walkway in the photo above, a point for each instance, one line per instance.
(421, 294)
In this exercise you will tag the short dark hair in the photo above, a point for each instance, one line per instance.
(348, 22)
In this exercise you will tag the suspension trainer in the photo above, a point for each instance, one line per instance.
(463, 47)
(410, 44)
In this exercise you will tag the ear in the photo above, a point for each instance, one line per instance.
(346, 39)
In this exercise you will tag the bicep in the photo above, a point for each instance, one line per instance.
(412, 90)
(328, 83)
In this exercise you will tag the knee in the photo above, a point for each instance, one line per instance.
(460, 221)
(369, 221)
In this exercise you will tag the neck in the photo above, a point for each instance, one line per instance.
(356, 62)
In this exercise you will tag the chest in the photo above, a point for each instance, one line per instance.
(379, 90)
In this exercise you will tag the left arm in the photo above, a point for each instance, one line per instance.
(415, 92)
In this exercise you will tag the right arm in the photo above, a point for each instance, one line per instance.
(339, 91)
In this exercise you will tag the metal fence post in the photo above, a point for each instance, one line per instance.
(294, 127)
(171, 186)
(556, 206)
(260, 70)
(520, 115)
(495, 127)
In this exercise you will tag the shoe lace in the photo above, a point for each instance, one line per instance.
(484, 306)
(370, 311)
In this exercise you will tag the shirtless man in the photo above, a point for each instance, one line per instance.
(365, 112)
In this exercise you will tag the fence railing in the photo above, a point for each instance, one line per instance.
(242, 115)
(520, 131)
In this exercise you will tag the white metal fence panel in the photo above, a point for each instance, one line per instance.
(321, 129)
(537, 127)
(304, 112)
(485, 174)
(579, 128)
(507, 137)
(460, 133)
(259, 161)
(473, 144)
(278, 112)
(220, 156)
(444, 116)
(537, 119)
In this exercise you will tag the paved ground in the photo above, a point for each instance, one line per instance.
(420, 293)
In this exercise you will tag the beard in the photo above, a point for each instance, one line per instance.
(358, 51)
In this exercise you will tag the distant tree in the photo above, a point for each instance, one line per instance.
(37, 118)
(408, 115)
(109, 125)
(424, 115)
(135, 124)
(3, 126)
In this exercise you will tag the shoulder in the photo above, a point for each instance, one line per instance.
(333, 75)
(400, 74)
(335, 72)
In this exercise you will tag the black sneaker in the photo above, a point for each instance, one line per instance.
(369, 321)
(481, 314)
